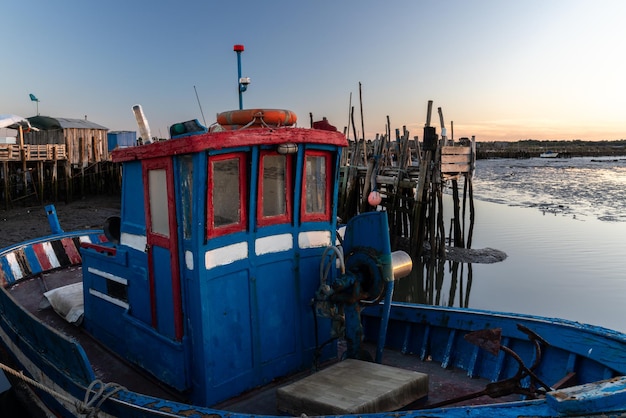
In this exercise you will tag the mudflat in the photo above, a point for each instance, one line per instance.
(21, 223)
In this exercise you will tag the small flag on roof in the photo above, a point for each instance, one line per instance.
(33, 98)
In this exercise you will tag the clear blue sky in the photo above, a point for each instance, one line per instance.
(542, 69)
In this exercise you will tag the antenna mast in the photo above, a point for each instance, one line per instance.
(199, 105)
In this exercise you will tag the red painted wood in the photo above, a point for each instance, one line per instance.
(311, 217)
(220, 140)
(279, 219)
(212, 230)
(42, 257)
(71, 251)
(170, 243)
(99, 248)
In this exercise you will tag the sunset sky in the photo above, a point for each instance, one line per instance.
(500, 70)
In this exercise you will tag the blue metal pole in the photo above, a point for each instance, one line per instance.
(53, 220)
(354, 330)
(239, 49)
(384, 321)
(239, 78)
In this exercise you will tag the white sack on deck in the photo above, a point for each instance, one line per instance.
(68, 302)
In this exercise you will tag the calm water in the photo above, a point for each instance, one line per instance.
(562, 224)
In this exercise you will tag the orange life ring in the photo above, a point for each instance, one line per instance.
(257, 117)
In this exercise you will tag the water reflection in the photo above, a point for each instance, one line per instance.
(557, 266)
(438, 282)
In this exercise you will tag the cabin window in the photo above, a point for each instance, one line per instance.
(317, 186)
(274, 189)
(159, 208)
(226, 195)
(186, 193)
(117, 290)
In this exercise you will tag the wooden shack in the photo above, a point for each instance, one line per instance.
(56, 156)
(85, 142)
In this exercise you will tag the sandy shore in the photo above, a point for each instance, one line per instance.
(23, 223)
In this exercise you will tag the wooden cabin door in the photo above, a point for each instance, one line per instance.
(162, 247)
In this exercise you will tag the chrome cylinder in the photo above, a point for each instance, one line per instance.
(401, 263)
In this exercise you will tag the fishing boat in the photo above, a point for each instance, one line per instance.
(549, 154)
(227, 288)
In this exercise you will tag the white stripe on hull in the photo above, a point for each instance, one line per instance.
(314, 239)
(52, 257)
(225, 255)
(108, 275)
(14, 265)
(273, 244)
(137, 242)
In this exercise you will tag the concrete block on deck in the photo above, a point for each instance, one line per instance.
(353, 387)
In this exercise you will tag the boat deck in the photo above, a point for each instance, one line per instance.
(108, 367)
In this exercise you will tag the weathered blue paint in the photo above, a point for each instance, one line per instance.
(610, 393)
(53, 219)
(121, 139)
(245, 298)
(384, 321)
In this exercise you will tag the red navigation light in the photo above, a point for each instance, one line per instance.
(238, 48)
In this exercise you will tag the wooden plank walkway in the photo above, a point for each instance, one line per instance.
(49, 152)
(456, 160)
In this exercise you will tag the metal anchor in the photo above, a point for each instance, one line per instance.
(489, 339)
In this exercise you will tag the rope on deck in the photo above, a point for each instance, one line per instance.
(95, 395)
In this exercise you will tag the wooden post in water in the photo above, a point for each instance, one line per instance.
(55, 167)
(83, 160)
(357, 145)
(5, 171)
(471, 193)
(367, 183)
(419, 210)
(23, 158)
(386, 142)
(69, 184)
(41, 176)
(364, 160)
(458, 236)
(346, 131)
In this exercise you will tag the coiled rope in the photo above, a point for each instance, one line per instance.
(104, 391)
(95, 395)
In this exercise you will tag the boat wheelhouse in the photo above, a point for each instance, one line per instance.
(220, 239)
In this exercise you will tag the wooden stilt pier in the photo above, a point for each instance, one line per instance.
(58, 159)
(411, 176)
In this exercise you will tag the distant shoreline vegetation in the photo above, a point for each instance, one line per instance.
(529, 148)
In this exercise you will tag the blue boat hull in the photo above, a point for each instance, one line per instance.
(595, 357)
